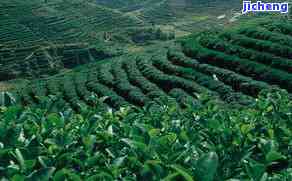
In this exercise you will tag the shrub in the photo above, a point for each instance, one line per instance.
(205, 141)
(243, 66)
(215, 43)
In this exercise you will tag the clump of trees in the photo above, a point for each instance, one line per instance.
(144, 35)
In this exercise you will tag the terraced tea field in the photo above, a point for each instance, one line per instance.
(33, 22)
(105, 90)
(39, 38)
(29, 27)
(233, 66)
(38, 61)
(250, 51)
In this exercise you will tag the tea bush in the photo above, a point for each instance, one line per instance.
(204, 141)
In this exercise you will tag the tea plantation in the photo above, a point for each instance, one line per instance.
(211, 106)
(43, 37)
(233, 66)
(203, 141)
(29, 22)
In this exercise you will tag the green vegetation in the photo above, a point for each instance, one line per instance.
(212, 63)
(260, 45)
(254, 56)
(57, 21)
(140, 79)
(225, 91)
(205, 141)
(139, 36)
(42, 38)
(112, 95)
(41, 61)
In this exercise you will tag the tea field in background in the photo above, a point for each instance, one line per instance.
(234, 65)
(144, 90)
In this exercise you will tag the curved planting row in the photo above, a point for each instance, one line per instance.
(94, 85)
(260, 45)
(104, 75)
(216, 86)
(73, 90)
(246, 67)
(236, 81)
(112, 98)
(249, 59)
(215, 43)
(69, 93)
(282, 26)
(80, 85)
(263, 34)
(182, 97)
(136, 78)
(125, 88)
(168, 82)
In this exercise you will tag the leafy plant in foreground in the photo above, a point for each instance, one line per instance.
(206, 141)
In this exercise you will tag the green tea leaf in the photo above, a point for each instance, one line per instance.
(101, 176)
(171, 177)
(65, 174)
(18, 178)
(273, 156)
(43, 174)
(184, 173)
(206, 167)
(55, 120)
(255, 170)
(20, 159)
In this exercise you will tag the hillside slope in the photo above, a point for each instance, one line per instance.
(32, 22)
(234, 66)
(32, 32)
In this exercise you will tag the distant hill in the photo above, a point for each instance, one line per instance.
(32, 22)
(31, 32)
(30, 25)
(154, 11)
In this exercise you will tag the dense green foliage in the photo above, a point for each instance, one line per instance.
(137, 80)
(43, 38)
(40, 61)
(201, 113)
(205, 141)
(216, 43)
(216, 108)
(35, 22)
(256, 51)
(221, 65)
